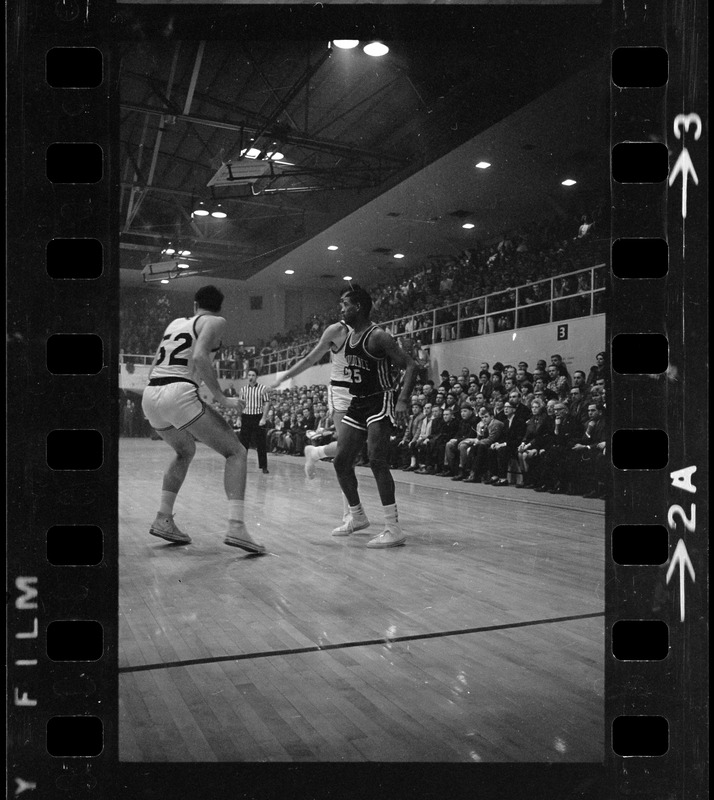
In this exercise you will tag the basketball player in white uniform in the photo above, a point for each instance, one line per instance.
(176, 412)
(338, 392)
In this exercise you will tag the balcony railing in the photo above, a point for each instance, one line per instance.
(566, 296)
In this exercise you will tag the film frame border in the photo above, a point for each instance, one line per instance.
(67, 308)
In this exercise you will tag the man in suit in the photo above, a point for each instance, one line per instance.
(502, 451)
(490, 431)
(578, 406)
(563, 434)
(587, 455)
(457, 447)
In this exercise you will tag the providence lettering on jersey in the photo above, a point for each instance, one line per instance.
(368, 374)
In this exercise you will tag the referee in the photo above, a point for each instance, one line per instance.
(255, 399)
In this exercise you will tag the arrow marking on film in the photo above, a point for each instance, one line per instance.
(681, 558)
(685, 166)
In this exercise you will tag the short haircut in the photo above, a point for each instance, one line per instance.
(253, 369)
(557, 356)
(210, 298)
(360, 296)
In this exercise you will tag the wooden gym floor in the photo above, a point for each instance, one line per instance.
(480, 641)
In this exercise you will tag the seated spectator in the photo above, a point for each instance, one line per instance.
(562, 436)
(426, 455)
(588, 466)
(484, 383)
(505, 448)
(410, 433)
(558, 384)
(455, 453)
(475, 460)
(580, 381)
(533, 445)
(524, 366)
(443, 433)
(559, 364)
(578, 406)
(526, 393)
(445, 381)
(418, 445)
(599, 370)
(522, 411)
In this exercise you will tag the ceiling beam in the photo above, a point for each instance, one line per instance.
(324, 145)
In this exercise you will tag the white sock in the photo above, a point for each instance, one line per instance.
(330, 450)
(167, 503)
(357, 511)
(390, 514)
(236, 510)
(345, 508)
(321, 451)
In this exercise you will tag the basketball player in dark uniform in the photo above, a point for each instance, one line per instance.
(370, 353)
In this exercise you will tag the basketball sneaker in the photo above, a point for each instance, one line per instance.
(351, 525)
(165, 528)
(238, 536)
(391, 536)
(311, 458)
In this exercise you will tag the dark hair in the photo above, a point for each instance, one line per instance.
(358, 295)
(253, 369)
(210, 298)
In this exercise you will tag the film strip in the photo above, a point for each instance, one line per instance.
(63, 298)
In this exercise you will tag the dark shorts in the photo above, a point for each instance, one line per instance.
(364, 411)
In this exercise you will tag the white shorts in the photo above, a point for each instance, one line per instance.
(338, 398)
(175, 405)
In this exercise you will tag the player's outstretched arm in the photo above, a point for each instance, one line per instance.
(209, 338)
(333, 334)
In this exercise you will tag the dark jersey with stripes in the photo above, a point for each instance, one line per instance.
(367, 374)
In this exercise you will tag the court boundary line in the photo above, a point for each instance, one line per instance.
(362, 643)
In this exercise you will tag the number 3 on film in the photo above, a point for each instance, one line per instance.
(682, 479)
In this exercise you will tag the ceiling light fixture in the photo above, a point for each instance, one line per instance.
(347, 278)
(345, 44)
(251, 152)
(376, 49)
(468, 225)
(569, 182)
(200, 210)
(276, 156)
(181, 265)
(164, 280)
(399, 255)
(333, 247)
(289, 271)
(218, 212)
(482, 165)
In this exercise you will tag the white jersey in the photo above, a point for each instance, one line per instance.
(339, 373)
(175, 354)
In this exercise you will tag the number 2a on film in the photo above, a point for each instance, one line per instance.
(682, 479)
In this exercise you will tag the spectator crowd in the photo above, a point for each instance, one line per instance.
(544, 429)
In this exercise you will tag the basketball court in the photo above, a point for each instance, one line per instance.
(482, 640)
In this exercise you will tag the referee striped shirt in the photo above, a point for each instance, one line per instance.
(254, 398)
